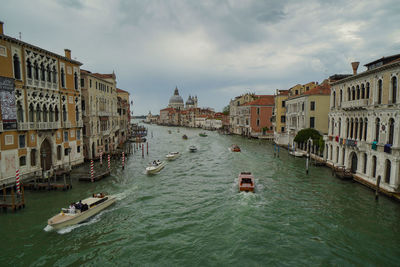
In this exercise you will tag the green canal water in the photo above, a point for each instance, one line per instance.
(191, 214)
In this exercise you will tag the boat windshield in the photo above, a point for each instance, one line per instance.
(246, 181)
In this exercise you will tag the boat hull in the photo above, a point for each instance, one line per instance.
(150, 170)
(80, 217)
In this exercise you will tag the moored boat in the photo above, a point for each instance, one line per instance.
(184, 137)
(85, 209)
(296, 154)
(235, 148)
(155, 167)
(246, 182)
(203, 134)
(172, 155)
(192, 149)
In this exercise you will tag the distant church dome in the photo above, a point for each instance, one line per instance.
(176, 100)
(189, 101)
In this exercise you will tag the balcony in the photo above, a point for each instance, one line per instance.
(106, 132)
(355, 104)
(67, 124)
(48, 125)
(79, 124)
(23, 126)
(103, 113)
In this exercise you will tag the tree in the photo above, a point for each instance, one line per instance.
(225, 110)
(303, 135)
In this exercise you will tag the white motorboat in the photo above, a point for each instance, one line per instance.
(193, 149)
(89, 207)
(296, 154)
(155, 167)
(172, 155)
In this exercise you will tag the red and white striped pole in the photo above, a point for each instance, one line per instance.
(109, 162)
(123, 160)
(91, 171)
(101, 158)
(17, 181)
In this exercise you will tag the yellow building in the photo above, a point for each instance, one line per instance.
(279, 118)
(40, 123)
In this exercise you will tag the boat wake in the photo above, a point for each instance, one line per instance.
(48, 228)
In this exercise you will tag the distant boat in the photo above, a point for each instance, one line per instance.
(172, 155)
(155, 167)
(184, 137)
(192, 149)
(235, 148)
(296, 154)
(169, 131)
(246, 182)
(203, 134)
(90, 207)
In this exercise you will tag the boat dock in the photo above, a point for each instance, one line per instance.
(98, 175)
(10, 199)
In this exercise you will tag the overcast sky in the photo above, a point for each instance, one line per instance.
(213, 49)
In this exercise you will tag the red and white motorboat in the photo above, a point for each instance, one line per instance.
(246, 182)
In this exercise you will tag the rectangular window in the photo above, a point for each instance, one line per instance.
(302, 106)
(258, 111)
(65, 151)
(283, 119)
(78, 134)
(282, 129)
(312, 106)
(22, 161)
(66, 136)
(58, 152)
(96, 85)
(82, 82)
(90, 83)
(312, 122)
(21, 141)
(258, 122)
(78, 149)
(283, 103)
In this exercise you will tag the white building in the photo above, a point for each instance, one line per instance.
(364, 124)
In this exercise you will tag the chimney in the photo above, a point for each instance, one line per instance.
(354, 65)
(1, 27)
(67, 53)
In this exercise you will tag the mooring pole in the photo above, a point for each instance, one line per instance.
(378, 181)
(142, 151)
(147, 147)
(278, 150)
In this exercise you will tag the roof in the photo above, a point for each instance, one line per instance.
(322, 89)
(266, 100)
(104, 76)
(384, 60)
(283, 92)
(167, 109)
(122, 91)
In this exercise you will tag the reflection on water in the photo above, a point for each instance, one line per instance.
(191, 213)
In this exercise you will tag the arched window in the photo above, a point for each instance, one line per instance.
(76, 113)
(20, 112)
(388, 167)
(337, 154)
(391, 131)
(347, 127)
(365, 129)
(331, 150)
(374, 166)
(44, 113)
(361, 129)
(351, 128)
(38, 111)
(367, 93)
(56, 113)
(362, 91)
(17, 67)
(340, 127)
(394, 90)
(54, 75)
(62, 78)
(365, 163)
(334, 98)
(64, 110)
(379, 92)
(353, 93)
(377, 127)
(33, 157)
(48, 74)
(31, 113)
(43, 72)
(333, 126)
(29, 69)
(76, 81)
(358, 92)
(51, 114)
(36, 70)
(341, 96)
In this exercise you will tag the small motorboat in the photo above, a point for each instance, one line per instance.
(81, 211)
(192, 149)
(184, 137)
(155, 167)
(246, 182)
(296, 154)
(235, 148)
(203, 134)
(172, 155)
(169, 131)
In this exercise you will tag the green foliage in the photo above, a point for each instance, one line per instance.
(303, 135)
(225, 111)
(321, 144)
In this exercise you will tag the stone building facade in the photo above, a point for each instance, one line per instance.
(364, 124)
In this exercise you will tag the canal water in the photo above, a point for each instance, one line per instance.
(191, 214)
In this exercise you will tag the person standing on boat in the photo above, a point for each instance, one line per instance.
(72, 208)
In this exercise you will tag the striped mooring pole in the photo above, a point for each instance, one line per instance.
(91, 171)
(101, 158)
(17, 181)
(109, 162)
(123, 160)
